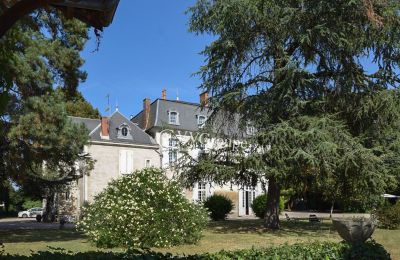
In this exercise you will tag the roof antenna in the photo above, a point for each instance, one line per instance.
(177, 94)
(116, 106)
(108, 108)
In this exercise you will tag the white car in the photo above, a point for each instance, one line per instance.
(30, 213)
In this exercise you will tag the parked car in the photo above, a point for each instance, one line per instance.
(30, 213)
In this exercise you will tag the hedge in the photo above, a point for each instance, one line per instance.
(325, 250)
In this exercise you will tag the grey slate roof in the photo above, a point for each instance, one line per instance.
(116, 120)
(187, 111)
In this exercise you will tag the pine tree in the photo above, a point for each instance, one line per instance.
(41, 51)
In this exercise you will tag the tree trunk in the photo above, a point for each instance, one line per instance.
(271, 219)
(48, 214)
(333, 204)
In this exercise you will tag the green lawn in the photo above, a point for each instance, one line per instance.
(228, 235)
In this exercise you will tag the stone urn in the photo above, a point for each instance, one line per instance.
(355, 231)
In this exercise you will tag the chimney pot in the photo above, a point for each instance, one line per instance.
(105, 128)
(146, 113)
(204, 98)
(164, 94)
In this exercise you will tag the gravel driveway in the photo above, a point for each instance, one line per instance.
(28, 223)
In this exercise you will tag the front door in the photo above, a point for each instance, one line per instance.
(246, 197)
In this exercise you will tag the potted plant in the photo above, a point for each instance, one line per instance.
(355, 230)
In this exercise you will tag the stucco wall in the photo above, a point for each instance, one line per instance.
(106, 166)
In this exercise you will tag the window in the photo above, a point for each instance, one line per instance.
(200, 121)
(200, 145)
(250, 129)
(173, 150)
(125, 162)
(172, 156)
(173, 118)
(124, 131)
(147, 163)
(201, 191)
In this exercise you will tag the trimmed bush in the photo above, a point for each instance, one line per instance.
(143, 209)
(389, 216)
(259, 202)
(219, 206)
(313, 251)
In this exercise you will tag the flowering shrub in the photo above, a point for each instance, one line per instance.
(143, 209)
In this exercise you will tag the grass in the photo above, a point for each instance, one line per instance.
(227, 235)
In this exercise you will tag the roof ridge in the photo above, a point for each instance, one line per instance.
(84, 118)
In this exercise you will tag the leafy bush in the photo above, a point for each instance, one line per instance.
(317, 251)
(259, 202)
(219, 206)
(143, 209)
(28, 204)
(389, 216)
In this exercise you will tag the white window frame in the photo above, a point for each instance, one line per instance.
(250, 129)
(199, 124)
(172, 150)
(201, 191)
(147, 163)
(176, 118)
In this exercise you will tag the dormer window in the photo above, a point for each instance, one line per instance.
(250, 129)
(124, 132)
(201, 121)
(174, 118)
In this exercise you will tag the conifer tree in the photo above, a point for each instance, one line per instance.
(317, 79)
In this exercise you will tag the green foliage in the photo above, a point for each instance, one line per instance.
(78, 106)
(46, 144)
(219, 206)
(41, 51)
(389, 216)
(28, 204)
(260, 202)
(258, 205)
(313, 251)
(303, 78)
(143, 209)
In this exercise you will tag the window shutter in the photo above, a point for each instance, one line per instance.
(122, 162)
(129, 161)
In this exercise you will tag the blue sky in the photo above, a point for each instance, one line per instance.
(145, 49)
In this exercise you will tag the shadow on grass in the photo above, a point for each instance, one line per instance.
(16, 236)
(295, 228)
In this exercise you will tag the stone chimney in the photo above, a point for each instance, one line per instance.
(164, 94)
(204, 98)
(105, 128)
(146, 113)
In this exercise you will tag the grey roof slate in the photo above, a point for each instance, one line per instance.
(188, 112)
(115, 121)
(90, 124)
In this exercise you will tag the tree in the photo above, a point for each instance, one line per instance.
(40, 52)
(78, 106)
(46, 148)
(314, 77)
